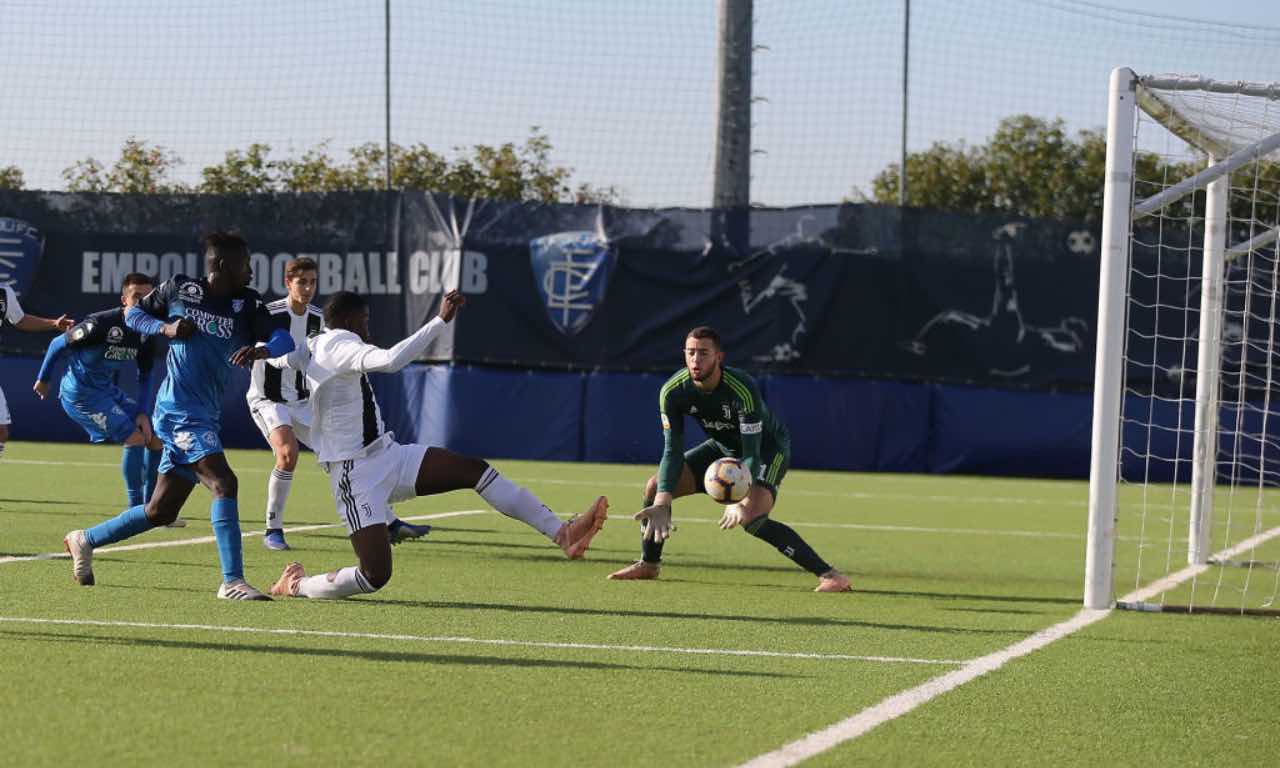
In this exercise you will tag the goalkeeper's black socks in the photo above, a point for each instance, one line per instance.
(786, 541)
(651, 551)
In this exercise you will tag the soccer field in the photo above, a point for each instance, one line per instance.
(489, 648)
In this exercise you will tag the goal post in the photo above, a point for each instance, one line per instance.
(1184, 481)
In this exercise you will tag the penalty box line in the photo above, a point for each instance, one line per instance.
(441, 639)
(900, 704)
(211, 539)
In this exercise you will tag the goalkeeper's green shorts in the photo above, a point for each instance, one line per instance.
(775, 460)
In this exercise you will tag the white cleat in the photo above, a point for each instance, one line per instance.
(81, 557)
(239, 590)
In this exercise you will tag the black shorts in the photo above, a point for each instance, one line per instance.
(775, 460)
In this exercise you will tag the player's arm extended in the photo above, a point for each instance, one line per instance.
(52, 356)
(377, 360)
(672, 449)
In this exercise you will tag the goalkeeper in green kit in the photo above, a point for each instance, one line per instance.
(727, 403)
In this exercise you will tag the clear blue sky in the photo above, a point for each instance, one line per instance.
(624, 89)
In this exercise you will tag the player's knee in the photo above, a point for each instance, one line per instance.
(160, 513)
(225, 486)
(650, 490)
(155, 444)
(287, 458)
(755, 526)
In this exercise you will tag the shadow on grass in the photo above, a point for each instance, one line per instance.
(797, 621)
(968, 596)
(372, 655)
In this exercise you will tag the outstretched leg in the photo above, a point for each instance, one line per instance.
(649, 564)
(443, 470)
(284, 445)
(755, 521)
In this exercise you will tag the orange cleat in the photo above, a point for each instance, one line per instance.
(577, 532)
(287, 584)
(833, 581)
(637, 571)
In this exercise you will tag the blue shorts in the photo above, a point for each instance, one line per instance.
(108, 417)
(186, 443)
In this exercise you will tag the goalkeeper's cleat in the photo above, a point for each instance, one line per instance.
(178, 522)
(833, 581)
(577, 532)
(637, 571)
(400, 531)
(273, 540)
(239, 589)
(287, 584)
(77, 545)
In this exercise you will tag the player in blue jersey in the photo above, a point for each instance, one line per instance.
(213, 322)
(12, 316)
(99, 347)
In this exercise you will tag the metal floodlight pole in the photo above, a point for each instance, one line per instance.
(387, 83)
(906, 58)
(732, 183)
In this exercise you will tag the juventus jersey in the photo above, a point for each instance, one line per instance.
(286, 385)
(346, 422)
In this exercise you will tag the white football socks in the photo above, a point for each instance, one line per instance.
(515, 501)
(335, 585)
(277, 494)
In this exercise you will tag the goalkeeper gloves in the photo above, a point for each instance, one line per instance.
(656, 521)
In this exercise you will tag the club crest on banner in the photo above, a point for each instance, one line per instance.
(20, 249)
(571, 271)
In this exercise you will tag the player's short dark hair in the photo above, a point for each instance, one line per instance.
(705, 332)
(340, 306)
(226, 244)
(295, 267)
(136, 278)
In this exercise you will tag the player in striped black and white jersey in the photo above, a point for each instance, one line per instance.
(278, 400)
(278, 396)
(369, 471)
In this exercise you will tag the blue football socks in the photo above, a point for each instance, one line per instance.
(224, 514)
(131, 466)
(127, 524)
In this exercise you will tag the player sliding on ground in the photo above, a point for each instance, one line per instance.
(369, 471)
(278, 400)
(98, 347)
(727, 403)
(12, 316)
(213, 316)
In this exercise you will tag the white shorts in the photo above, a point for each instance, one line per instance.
(4, 411)
(269, 415)
(365, 488)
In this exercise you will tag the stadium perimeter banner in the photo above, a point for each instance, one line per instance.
(857, 290)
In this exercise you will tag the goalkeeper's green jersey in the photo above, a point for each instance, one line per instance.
(733, 415)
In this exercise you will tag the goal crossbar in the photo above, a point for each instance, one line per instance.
(1216, 171)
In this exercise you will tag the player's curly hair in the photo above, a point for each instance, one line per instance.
(224, 244)
(340, 306)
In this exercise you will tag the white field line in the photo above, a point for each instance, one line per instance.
(900, 704)
(210, 539)
(862, 495)
(477, 641)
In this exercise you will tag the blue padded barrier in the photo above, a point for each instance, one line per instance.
(1006, 432)
(620, 418)
(853, 424)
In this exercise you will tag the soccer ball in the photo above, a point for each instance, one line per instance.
(727, 480)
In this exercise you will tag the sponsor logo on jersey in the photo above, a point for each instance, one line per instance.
(571, 271)
(237, 305)
(211, 324)
(115, 335)
(718, 426)
(20, 249)
(191, 292)
(751, 429)
(120, 353)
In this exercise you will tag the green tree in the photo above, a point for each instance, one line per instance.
(139, 169)
(247, 172)
(11, 177)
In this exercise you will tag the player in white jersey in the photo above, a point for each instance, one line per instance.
(369, 471)
(278, 399)
(12, 316)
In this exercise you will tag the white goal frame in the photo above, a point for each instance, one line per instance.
(1128, 93)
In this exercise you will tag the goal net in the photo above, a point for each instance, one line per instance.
(1184, 496)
